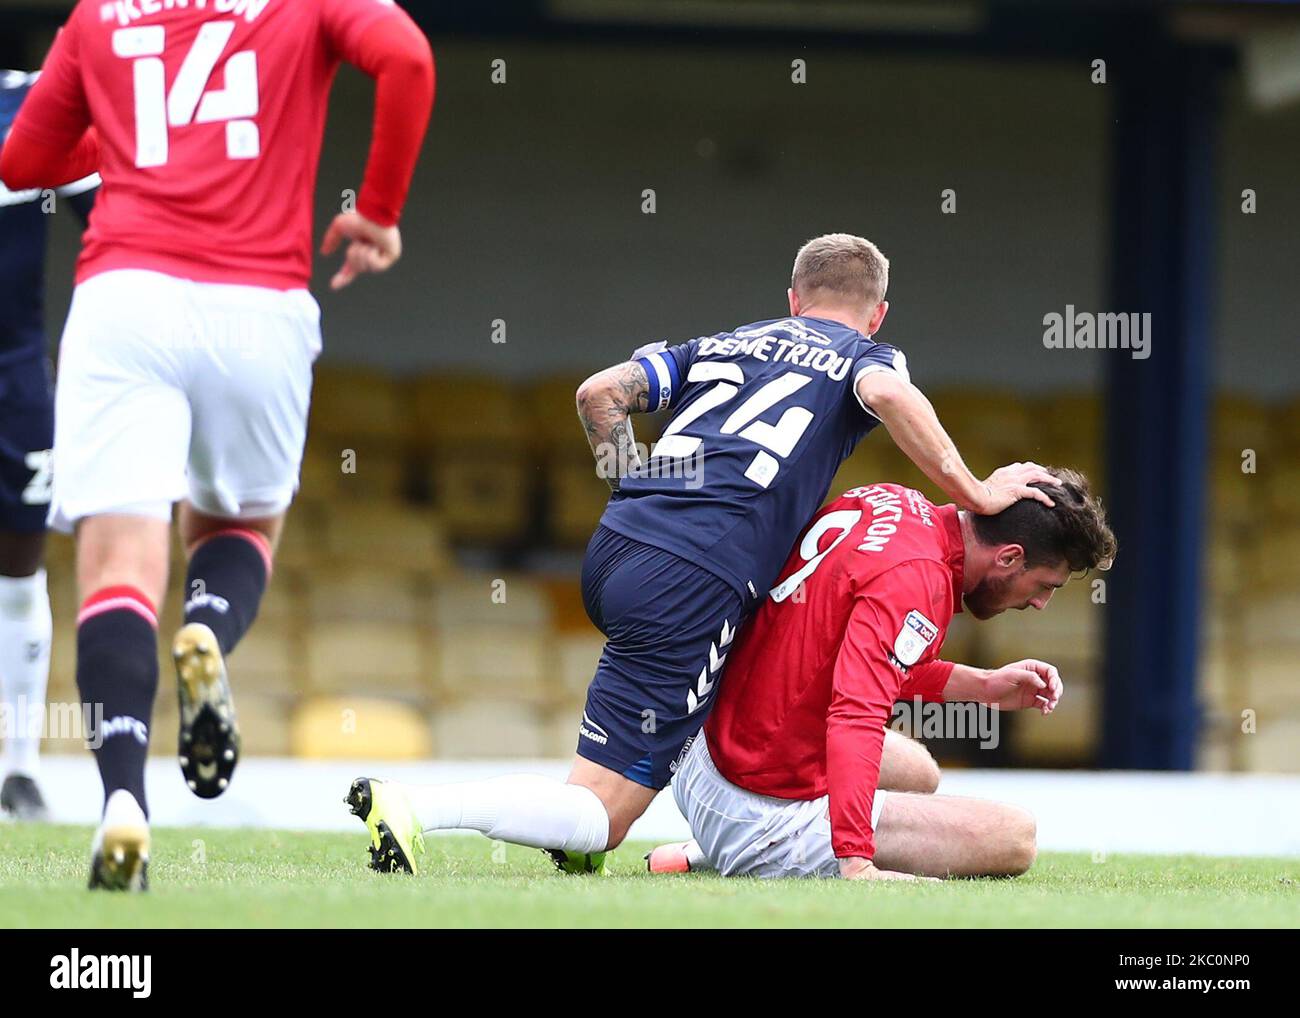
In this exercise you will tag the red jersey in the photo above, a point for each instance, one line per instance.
(209, 116)
(855, 624)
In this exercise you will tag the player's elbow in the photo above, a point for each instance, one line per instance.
(416, 61)
(13, 173)
(411, 57)
(594, 389)
(882, 391)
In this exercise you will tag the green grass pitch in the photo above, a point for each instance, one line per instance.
(260, 878)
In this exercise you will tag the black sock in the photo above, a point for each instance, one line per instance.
(224, 584)
(117, 674)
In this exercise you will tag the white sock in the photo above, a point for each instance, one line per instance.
(524, 809)
(24, 667)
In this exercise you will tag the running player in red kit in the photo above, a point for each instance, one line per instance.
(783, 779)
(185, 366)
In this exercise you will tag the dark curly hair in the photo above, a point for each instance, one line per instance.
(1074, 530)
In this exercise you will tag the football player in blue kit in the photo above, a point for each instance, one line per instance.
(692, 539)
(26, 435)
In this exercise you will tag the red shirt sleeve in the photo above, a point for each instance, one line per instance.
(51, 142)
(927, 680)
(385, 43)
(866, 683)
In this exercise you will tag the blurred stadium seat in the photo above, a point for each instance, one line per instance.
(489, 729)
(370, 658)
(384, 534)
(358, 727)
(494, 643)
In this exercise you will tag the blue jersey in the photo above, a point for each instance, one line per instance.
(762, 419)
(24, 216)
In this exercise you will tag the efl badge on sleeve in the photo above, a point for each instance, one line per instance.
(917, 633)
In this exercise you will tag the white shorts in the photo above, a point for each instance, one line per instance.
(169, 388)
(746, 834)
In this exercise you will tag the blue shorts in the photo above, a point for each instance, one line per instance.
(26, 436)
(669, 624)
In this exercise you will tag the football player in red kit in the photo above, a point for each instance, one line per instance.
(783, 780)
(186, 361)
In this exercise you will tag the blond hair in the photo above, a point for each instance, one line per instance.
(840, 265)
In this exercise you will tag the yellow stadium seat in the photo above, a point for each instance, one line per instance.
(576, 656)
(268, 660)
(1066, 421)
(370, 658)
(485, 497)
(1286, 425)
(264, 724)
(567, 611)
(989, 426)
(961, 643)
(489, 729)
(1271, 677)
(1069, 736)
(1234, 496)
(1225, 562)
(1224, 680)
(164, 723)
(468, 414)
(490, 601)
(368, 728)
(560, 727)
(1240, 422)
(282, 601)
(386, 534)
(866, 465)
(369, 593)
(1283, 483)
(302, 536)
(367, 468)
(893, 467)
(349, 404)
(1070, 627)
(62, 686)
(1272, 747)
(553, 416)
(1271, 561)
(60, 554)
(576, 497)
(490, 662)
(494, 638)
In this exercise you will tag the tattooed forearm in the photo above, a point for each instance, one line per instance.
(606, 402)
(625, 453)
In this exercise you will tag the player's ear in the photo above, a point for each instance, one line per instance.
(1010, 556)
(793, 298)
(878, 317)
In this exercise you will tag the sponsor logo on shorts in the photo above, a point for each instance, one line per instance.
(681, 757)
(588, 729)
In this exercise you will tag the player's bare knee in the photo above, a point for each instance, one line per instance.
(1021, 840)
(930, 774)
